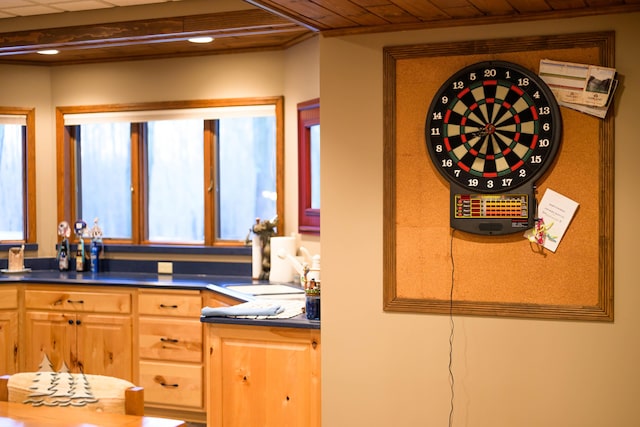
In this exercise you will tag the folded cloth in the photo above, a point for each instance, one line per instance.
(251, 308)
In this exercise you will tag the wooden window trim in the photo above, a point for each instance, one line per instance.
(308, 218)
(29, 171)
(65, 157)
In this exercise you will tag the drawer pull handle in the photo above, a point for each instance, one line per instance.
(171, 340)
(160, 380)
(78, 301)
(168, 306)
(169, 385)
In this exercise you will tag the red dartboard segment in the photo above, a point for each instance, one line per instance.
(517, 166)
(464, 167)
(463, 92)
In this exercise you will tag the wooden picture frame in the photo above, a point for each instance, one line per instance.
(430, 268)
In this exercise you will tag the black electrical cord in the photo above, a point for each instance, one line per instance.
(452, 325)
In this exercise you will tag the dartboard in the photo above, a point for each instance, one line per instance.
(492, 130)
(492, 127)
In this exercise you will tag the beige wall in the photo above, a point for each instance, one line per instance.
(384, 369)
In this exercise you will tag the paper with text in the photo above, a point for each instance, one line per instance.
(556, 211)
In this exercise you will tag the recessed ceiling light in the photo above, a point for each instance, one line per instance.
(201, 39)
(48, 52)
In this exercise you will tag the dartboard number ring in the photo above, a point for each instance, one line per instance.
(492, 127)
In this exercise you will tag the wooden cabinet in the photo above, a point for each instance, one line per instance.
(88, 329)
(226, 375)
(170, 348)
(263, 376)
(8, 330)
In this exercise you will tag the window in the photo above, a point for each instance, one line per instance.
(17, 175)
(188, 173)
(309, 167)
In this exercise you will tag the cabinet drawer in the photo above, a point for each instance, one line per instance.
(8, 298)
(170, 339)
(174, 384)
(95, 302)
(170, 304)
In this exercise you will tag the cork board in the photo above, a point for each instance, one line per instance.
(431, 268)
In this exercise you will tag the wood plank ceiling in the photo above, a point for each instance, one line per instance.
(276, 24)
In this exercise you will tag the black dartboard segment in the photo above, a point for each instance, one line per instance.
(492, 127)
(492, 130)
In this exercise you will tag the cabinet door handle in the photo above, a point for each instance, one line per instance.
(171, 340)
(79, 301)
(168, 306)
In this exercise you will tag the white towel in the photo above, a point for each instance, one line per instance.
(259, 309)
(251, 308)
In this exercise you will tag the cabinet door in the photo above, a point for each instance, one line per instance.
(8, 342)
(52, 335)
(105, 345)
(263, 377)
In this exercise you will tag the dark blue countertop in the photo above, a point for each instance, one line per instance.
(212, 283)
(181, 281)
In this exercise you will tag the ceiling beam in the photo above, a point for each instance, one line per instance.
(217, 25)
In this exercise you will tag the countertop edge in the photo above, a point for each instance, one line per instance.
(212, 283)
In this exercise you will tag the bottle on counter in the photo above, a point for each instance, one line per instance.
(80, 227)
(80, 257)
(96, 246)
(95, 257)
(64, 231)
(63, 256)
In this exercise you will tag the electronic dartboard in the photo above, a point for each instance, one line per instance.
(492, 130)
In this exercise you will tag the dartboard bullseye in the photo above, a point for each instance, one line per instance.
(493, 128)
